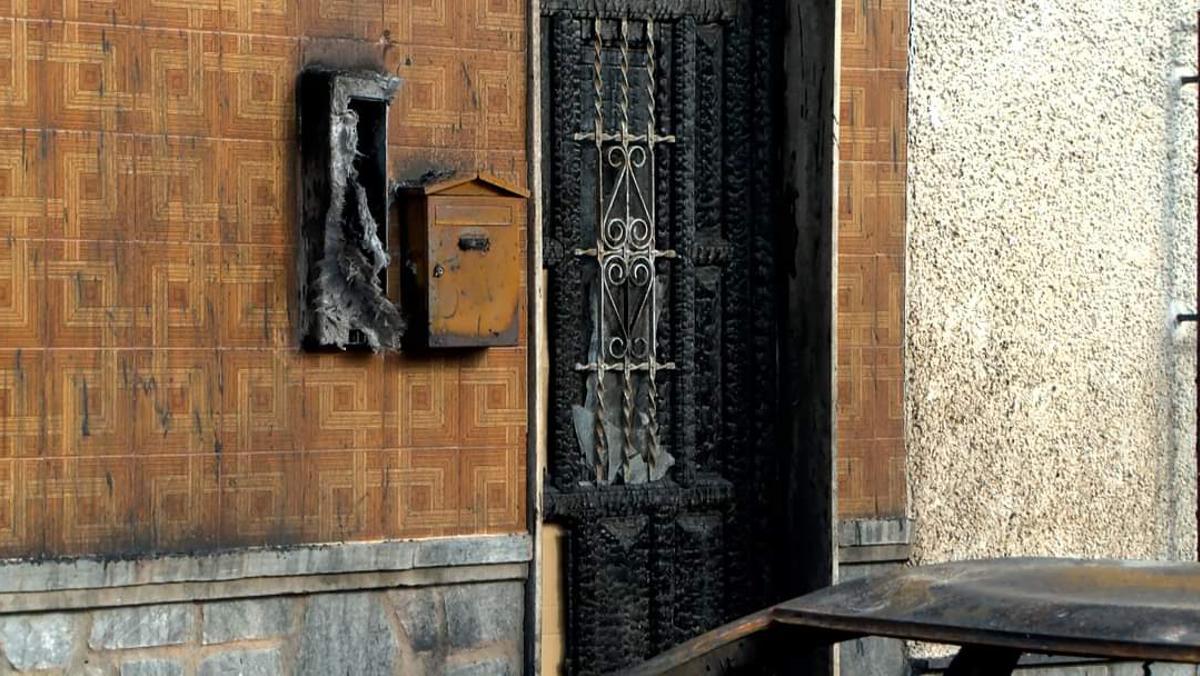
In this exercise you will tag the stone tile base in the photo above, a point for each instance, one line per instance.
(1066, 668)
(868, 547)
(872, 656)
(469, 628)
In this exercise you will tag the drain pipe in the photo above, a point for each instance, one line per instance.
(1195, 316)
(1195, 79)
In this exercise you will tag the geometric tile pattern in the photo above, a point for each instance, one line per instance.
(151, 397)
(871, 255)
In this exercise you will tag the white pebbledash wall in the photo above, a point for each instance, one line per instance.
(1051, 238)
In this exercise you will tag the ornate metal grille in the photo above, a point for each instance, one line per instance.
(622, 398)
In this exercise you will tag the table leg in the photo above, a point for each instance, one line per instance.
(974, 660)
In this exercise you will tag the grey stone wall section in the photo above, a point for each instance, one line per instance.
(266, 662)
(496, 666)
(1156, 669)
(1104, 669)
(36, 641)
(873, 532)
(465, 628)
(421, 614)
(350, 557)
(484, 613)
(462, 629)
(346, 634)
(246, 619)
(152, 667)
(872, 656)
(142, 626)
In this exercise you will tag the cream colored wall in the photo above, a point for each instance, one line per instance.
(554, 642)
(1051, 236)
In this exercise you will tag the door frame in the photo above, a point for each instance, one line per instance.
(808, 308)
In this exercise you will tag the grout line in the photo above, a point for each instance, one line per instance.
(351, 359)
(874, 69)
(221, 32)
(283, 245)
(202, 454)
(285, 141)
(881, 163)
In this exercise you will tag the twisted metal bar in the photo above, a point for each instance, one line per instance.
(601, 406)
(597, 83)
(627, 391)
(652, 440)
(624, 80)
(650, 82)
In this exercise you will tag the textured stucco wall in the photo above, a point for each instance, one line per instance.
(1051, 234)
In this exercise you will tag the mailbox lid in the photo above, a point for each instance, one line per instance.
(474, 269)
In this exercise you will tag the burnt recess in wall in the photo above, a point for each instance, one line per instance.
(342, 259)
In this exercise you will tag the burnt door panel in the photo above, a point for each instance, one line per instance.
(612, 556)
(699, 594)
(661, 210)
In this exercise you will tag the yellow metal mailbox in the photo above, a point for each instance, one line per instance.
(464, 258)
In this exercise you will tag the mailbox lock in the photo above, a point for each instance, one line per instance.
(438, 270)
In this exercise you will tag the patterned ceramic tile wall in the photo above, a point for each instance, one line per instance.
(871, 257)
(150, 394)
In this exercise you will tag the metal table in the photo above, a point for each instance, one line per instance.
(996, 610)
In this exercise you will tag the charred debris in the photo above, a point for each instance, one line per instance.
(342, 258)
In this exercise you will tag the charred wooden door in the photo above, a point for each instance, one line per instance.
(662, 217)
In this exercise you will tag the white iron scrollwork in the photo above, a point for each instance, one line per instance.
(623, 386)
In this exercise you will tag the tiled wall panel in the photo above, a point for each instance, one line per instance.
(871, 218)
(151, 396)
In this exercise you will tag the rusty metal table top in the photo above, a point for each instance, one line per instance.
(1114, 609)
